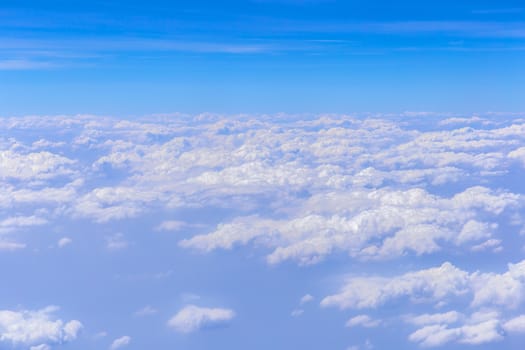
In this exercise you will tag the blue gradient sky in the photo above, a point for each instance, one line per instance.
(382, 209)
(133, 58)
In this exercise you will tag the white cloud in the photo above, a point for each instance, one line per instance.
(71, 329)
(120, 342)
(366, 346)
(300, 189)
(64, 241)
(368, 224)
(489, 293)
(515, 325)
(494, 244)
(306, 299)
(171, 225)
(434, 335)
(10, 246)
(38, 165)
(518, 154)
(40, 347)
(474, 231)
(363, 321)
(18, 222)
(297, 312)
(434, 285)
(112, 203)
(486, 331)
(46, 195)
(457, 120)
(439, 318)
(223, 161)
(192, 318)
(37, 328)
(507, 289)
(43, 144)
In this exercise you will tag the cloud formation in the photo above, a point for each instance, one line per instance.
(297, 189)
(38, 328)
(120, 342)
(441, 286)
(412, 221)
(192, 318)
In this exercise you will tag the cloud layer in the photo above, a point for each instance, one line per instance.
(367, 191)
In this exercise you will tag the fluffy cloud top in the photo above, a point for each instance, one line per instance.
(42, 165)
(192, 318)
(402, 221)
(435, 284)
(330, 175)
(37, 328)
(299, 189)
(515, 325)
(447, 283)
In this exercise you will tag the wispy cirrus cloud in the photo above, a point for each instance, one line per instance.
(26, 64)
(262, 36)
(499, 11)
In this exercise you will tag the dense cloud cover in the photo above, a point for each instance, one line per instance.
(404, 195)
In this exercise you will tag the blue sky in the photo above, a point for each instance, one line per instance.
(262, 175)
(128, 58)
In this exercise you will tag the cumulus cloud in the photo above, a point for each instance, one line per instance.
(412, 221)
(518, 154)
(434, 284)
(369, 292)
(36, 328)
(112, 203)
(192, 318)
(301, 189)
(515, 325)
(245, 162)
(506, 289)
(120, 342)
(490, 293)
(38, 165)
(480, 328)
